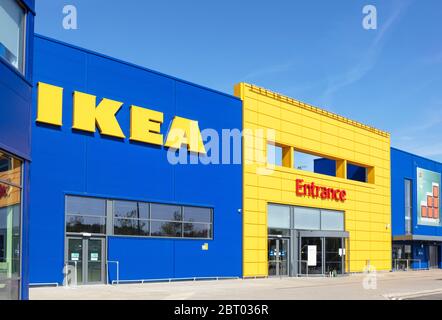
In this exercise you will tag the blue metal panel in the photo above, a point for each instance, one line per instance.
(29, 3)
(141, 259)
(15, 96)
(420, 252)
(404, 166)
(67, 162)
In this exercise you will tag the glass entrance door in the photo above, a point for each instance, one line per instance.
(334, 256)
(95, 263)
(321, 256)
(86, 256)
(311, 256)
(433, 257)
(75, 257)
(278, 250)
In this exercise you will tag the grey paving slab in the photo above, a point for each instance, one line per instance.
(381, 287)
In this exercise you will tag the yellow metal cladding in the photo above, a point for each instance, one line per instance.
(300, 126)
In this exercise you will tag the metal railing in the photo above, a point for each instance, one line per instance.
(397, 262)
(45, 284)
(118, 271)
(142, 281)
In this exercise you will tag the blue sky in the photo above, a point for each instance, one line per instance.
(315, 51)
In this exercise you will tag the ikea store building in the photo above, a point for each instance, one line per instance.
(107, 201)
(113, 173)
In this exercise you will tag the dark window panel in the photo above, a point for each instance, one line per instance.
(195, 214)
(166, 229)
(165, 212)
(81, 224)
(129, 227)
(356, 173)
(197, 230)
(143, 210)
(85, 206)
(125, 209)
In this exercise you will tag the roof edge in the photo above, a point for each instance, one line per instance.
(133, 65)
(309, 107)
(416, 155)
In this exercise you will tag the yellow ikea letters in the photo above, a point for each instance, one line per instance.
(145, 124)
(50, 104)
(87, 114)
(185, 132)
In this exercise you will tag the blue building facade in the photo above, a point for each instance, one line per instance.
(16, 65)
(416, 225)
(109, 208)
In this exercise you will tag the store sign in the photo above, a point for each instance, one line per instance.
(319, 192)
(428, 197)
(94, 256)
(145, 124)
(311, 256)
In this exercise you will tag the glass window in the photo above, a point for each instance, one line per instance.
(408, 205)
(274, 155)
(197, 230)
(165, 212)
(131, 210)
(166, 229)
(86, 224)
(12, 33)
(125, 209)
(278, 217)
(10, 202)
(194, 214)
(312, 163)
(131, 227)
(10, 226)
(143, 210)
(85, 215)
(279, 232)
(307, 219)
(356, 173)
(131, 218)
(85, 206)
(10, 169)
(332, 220)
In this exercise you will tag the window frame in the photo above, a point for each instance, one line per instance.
(275, 146)
(20, 187)
(21, 69)
(408, 222)
(314, 155)
(110, 219)
(293, 208)
(360, 166)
